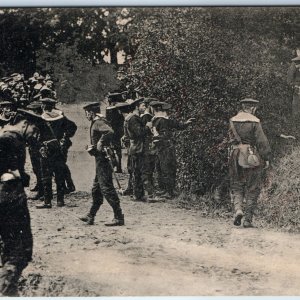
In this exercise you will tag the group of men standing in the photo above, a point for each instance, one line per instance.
(147, 134)
(29, 117)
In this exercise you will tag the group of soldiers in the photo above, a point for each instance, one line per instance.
(29, 117)
(143, 126)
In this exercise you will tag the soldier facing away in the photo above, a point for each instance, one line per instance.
(250, 153)
(101, 136)
(15, 230)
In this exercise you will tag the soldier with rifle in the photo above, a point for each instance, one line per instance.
(15, 230)
(101, 135)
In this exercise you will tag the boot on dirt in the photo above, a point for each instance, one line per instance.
(60, 203)
(46, 204)
(88, 219)
(117, 222)
(127, 192)
(238, 218)
(37, 196)
(247, 224)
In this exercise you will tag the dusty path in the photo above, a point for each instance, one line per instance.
(162, 250)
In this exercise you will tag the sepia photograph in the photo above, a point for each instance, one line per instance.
(149, 151)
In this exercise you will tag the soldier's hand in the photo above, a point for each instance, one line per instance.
(267, 165)
(190, 120)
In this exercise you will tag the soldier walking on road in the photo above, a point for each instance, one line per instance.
(101, 136)
(15, 230)
(250, 153)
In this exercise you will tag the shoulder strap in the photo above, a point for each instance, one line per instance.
(236, 135)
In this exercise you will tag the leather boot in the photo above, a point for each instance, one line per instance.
(238, 218)
(45, 204)
(60, 203)
(88, 219)
(118, 219)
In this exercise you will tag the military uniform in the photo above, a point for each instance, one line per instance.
(135, 131)
(55, 128)
(293, 79)
(246, 183)
(165, 149)
(15, 230)
(101, 134)
(149, 156)
(116, 120)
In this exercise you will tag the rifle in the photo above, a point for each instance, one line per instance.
(108, 152)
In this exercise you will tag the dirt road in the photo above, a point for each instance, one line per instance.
(162, 250)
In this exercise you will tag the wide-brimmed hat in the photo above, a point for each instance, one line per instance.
(91, 106)
(163, 105)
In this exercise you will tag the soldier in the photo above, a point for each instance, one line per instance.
(101, 135)
(35, 156)
(149, 154)
(162, 128)
(47, 91)
(15, 230)
(245, 171)
(136, 132)
(293, 78)
(56, 128)
(116, 120)
(6, 113)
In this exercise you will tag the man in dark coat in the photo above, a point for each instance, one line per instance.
(15, 230)
(245, 182)
(101, 135)
(56, 127)
(135, 131)
(162, 128)
(116, 120)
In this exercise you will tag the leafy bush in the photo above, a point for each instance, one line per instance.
(204, 61)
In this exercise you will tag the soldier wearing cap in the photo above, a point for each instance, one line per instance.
(250, 153)
(135, 131)
(15, 230)
(6, 113)
(47, 91)
(101, 135)
(293, 79)
(162, 128)
(56, 128)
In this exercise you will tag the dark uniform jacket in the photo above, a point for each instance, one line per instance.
(55, 128)
(101, 134)
(163, 127)
(145, 118)
(135, 131)
(12, 152)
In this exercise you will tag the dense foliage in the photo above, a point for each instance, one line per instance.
(203, 61)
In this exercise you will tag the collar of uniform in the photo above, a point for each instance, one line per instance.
(145, 113)
(53, 115)
(98, 116)
(245, 117)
